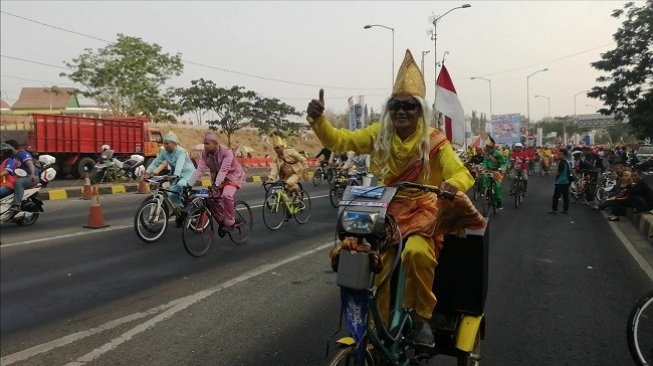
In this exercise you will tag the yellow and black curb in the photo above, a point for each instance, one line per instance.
(76, 192)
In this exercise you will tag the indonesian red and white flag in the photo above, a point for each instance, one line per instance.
(447, 103)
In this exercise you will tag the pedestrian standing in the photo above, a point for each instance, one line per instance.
(562, 183)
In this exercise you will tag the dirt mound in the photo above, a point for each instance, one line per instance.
(190, 136)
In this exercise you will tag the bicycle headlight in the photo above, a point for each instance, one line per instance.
(356, 222)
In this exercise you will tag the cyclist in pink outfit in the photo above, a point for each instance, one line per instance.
(226, 174)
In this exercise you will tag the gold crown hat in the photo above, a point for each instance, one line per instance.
(278, 141)
(410, 80)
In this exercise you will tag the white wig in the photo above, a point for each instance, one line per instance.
(383, 143)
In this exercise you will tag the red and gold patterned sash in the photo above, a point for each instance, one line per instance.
(415, 167)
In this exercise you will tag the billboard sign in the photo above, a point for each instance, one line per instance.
(506, 129)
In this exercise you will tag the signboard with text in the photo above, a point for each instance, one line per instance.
(506, 129)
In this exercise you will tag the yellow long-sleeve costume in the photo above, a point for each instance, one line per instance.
(419, 256)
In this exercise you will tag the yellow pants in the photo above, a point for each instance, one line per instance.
(419, 259)
(291, 184)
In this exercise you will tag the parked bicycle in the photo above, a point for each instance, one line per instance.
(605, 185)
(151, 220)
(279, 207)
(583, 188)
(640, 331)
(457, 321)
(198, 232)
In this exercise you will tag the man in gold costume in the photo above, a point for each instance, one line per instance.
(405, 148)
(289, 166)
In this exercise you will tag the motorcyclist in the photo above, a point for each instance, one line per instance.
(7, 175)
(404, 148)
(106, 153)
(22, 160)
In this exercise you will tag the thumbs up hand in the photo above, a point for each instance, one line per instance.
(316, 107)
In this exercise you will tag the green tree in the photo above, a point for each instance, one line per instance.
(235, 108)
(128, 77)
(272, 117)
(628, 90)
(475, 123)
(193, 99)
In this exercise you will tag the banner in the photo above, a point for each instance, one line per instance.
(506, 129)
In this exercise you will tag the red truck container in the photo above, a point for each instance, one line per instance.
(76, 141)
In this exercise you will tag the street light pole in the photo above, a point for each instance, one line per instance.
(434, 37)
(528, 97)
(490, 84)
(392, 82)
(564, 130)
(548, 100)
(424, 53)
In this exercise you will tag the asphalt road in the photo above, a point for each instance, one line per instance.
(560, 290)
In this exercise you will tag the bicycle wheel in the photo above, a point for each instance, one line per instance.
(640, 331)
(601, 195)
(516, 192)
(487, 200)
(303, 208)
(329, 175)
(197, 233)
(150, 223)
(346, 356)
(335, 194)
(244, 222)
(274, 211)
(317, 177)
(476, 191)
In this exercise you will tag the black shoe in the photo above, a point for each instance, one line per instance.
(179, 221)
(553, 212)
(565, 212)
(423, 335)
(499, 206)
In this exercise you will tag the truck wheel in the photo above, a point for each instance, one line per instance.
(87, 163)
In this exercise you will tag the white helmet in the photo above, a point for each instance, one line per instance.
(105, 147)
(518, 145)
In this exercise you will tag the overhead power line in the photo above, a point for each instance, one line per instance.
(550, 61)
(34, 62)
(241, 73)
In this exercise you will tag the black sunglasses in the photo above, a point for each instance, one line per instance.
(406, 105)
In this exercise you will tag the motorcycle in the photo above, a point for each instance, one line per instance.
(31, 206)
(110, 168)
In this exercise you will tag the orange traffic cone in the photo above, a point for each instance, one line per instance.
(87, 191)
(143, 187)
(95, 191)
(95, 216)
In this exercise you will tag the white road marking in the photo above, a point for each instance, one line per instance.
(631, 249)
(71, 338)
(96, 231)
(169, 309)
